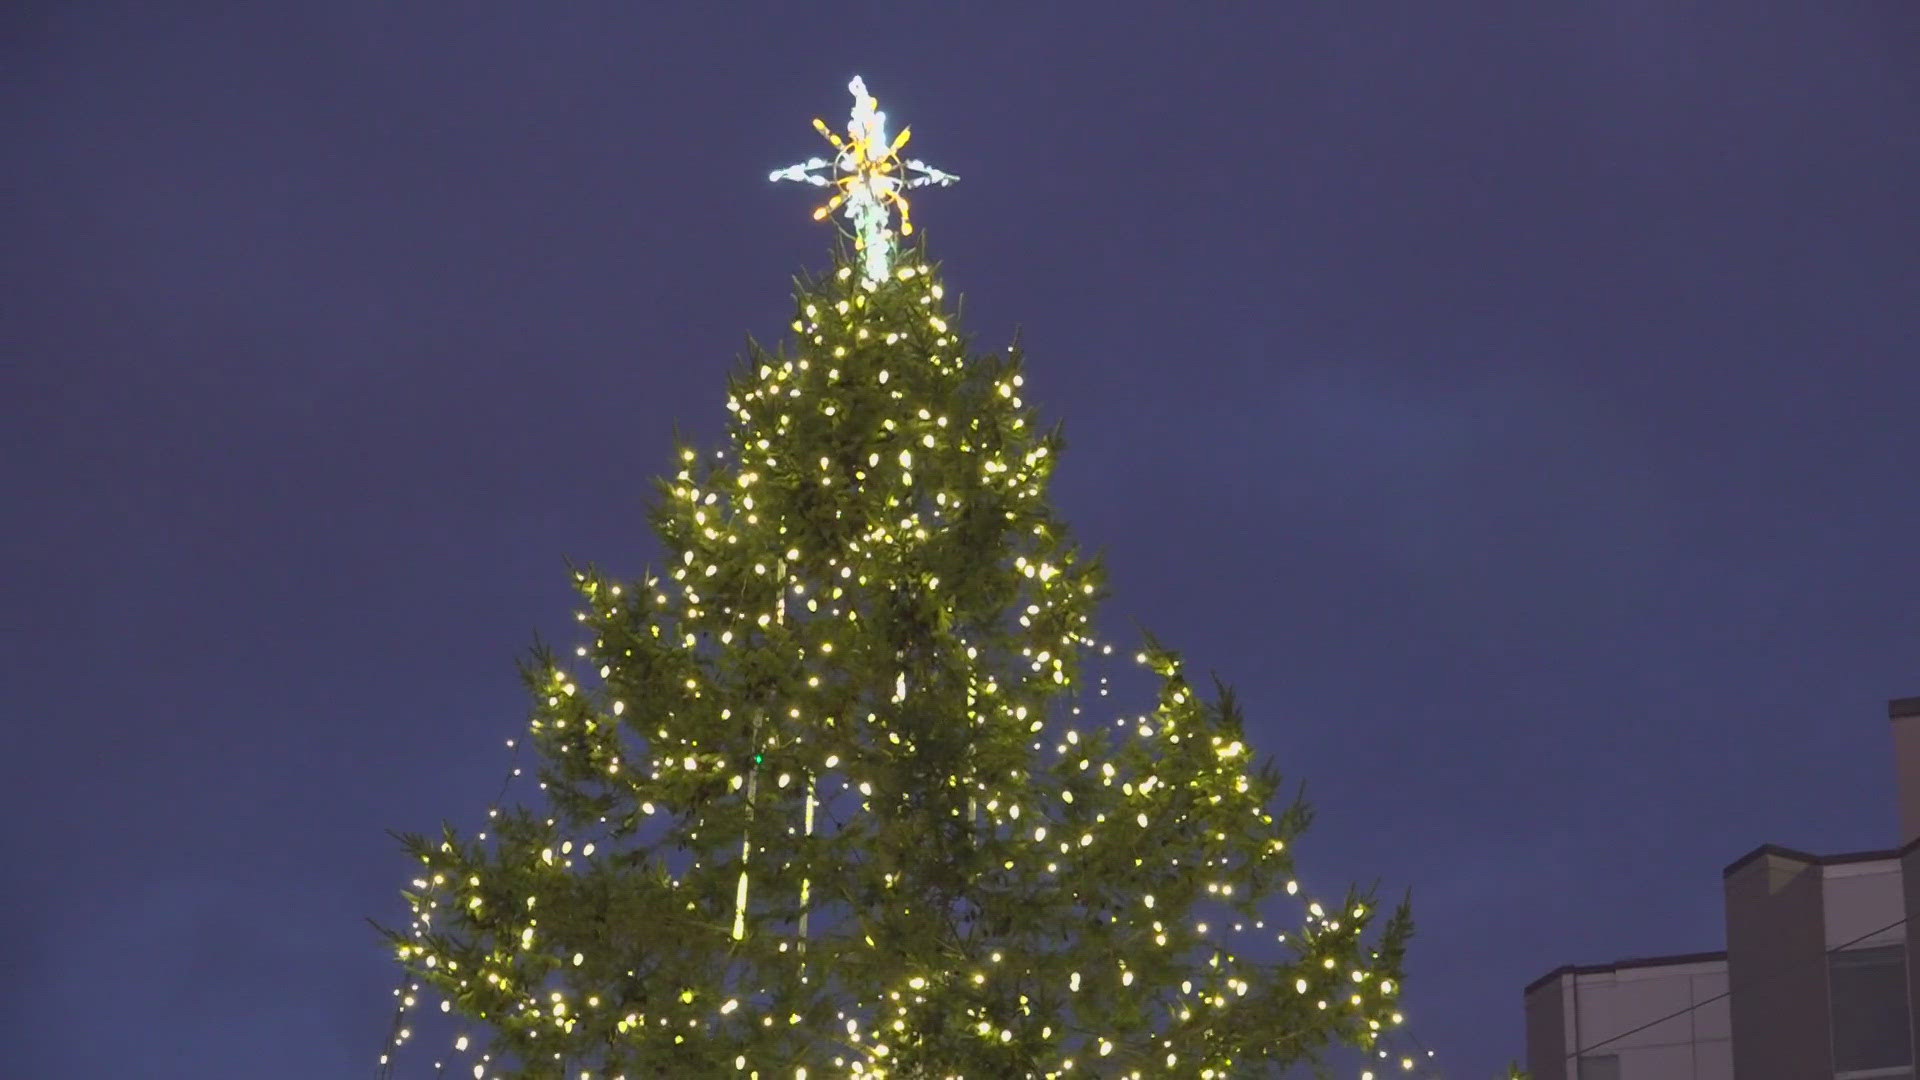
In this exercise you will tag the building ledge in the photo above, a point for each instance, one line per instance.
(1811, 859)
(1902, 707)
(1674, 960)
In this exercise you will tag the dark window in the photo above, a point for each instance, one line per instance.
(1870, 1009)
(1600, 1067)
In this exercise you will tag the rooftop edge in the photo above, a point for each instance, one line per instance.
(1673, 960)
(1811, 859)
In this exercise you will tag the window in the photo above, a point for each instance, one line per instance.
(1600, 1067)
(1869, 989)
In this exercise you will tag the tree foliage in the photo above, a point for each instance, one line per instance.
(822, 799)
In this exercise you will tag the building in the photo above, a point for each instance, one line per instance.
(1818, 978)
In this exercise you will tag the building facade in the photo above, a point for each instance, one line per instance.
(1818, 980)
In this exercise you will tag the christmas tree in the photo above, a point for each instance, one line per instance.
(821, 799)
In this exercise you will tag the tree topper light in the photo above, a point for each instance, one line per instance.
(870, 176)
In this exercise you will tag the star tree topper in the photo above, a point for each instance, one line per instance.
(870, 177)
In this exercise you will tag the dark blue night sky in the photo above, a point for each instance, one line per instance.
(1516, 402)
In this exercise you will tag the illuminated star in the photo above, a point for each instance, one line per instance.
(869, 177)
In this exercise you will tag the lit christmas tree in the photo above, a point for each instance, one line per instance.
(820, 796)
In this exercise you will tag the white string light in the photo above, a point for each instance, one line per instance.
(869, 177)
(877, 485)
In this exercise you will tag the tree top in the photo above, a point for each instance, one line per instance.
(869, 177)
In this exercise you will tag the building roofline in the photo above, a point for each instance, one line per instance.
(1811, 859)
(1623, 965)
(1902, 707)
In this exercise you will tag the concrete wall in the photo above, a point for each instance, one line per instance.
(1910, 894)
(1905, 715)
(1861, 898)
(1862, 901)
(1588, 1008)
(1548, 1024)
(1784, 911)
(1776, 955)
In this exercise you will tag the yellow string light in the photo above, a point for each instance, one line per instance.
(1161, 808)
(869, 179)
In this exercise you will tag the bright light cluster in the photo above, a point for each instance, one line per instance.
(822, 800)
(868, 178)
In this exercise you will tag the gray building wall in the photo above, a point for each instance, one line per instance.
(1785, 911)
(1776, 954)
(1547, 1047)
(1663, 1018)
(1904, 714)
(1910, 896)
